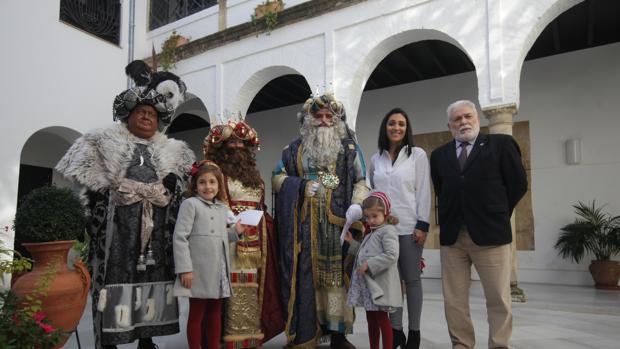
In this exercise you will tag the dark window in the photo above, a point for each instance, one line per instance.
(101, 18)
(163, 12)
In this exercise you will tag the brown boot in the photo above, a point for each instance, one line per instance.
(339, 341)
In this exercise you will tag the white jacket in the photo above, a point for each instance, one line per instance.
(407, 184)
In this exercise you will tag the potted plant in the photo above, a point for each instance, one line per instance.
(593, 232)
(168, 54)
(48, 222)
(267, 10)
(268, 6)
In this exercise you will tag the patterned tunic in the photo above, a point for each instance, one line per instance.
(129, 303)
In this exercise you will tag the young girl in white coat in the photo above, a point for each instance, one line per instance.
(201, 258)
(375, 284)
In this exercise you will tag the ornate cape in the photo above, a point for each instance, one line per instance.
(296, 221)
(128, 303)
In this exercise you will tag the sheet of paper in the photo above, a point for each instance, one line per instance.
(250, 217)
(347, 226)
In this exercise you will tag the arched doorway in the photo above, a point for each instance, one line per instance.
(568, 88)
(191, 124)
(40, 154)
(272, 112)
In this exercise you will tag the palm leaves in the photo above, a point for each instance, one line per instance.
(593, 231)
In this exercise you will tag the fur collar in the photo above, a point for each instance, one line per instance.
(98, 160)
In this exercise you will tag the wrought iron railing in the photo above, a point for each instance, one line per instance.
(163, 12)
(100, 18)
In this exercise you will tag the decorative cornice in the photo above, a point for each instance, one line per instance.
(510, 108)
(294, 14)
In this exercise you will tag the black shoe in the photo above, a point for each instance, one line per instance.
(339, 341)
(146, 343)
(398, 339)
(413, 340)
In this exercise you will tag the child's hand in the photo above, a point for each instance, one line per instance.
(348, 237)
(186, 279)
(241, 228)
(363, 268)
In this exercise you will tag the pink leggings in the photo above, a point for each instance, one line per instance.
(207, 312)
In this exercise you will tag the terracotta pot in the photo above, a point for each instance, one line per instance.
(181, 40)
(68, 289)
(605, 274)
(262, 9)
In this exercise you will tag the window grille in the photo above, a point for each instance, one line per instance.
(100, 18)
(163, 12)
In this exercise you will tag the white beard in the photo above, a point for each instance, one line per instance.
(322, 144)
(467, 136)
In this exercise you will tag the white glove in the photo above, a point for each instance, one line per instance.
(230, 217)
(311, 188)
(354, 213)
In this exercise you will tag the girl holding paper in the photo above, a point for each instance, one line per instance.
(201, 254)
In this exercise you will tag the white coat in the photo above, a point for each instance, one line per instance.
(200, 242)
(380, 249)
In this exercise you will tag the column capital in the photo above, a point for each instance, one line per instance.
(510, 108)
(500, 118)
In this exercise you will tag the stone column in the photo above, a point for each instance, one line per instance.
(500, 121)
(222, 15)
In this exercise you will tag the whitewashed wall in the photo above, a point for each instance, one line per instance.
(52, 75)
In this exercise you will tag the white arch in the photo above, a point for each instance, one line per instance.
(255, 83)
(517, 49)
(355, 86)
(46, 146)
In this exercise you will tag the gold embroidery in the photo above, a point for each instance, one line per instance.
(242, 313)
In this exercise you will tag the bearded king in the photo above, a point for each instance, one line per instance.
(253, 315)
(319, 176)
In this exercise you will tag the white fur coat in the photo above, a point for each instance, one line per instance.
(99, 159)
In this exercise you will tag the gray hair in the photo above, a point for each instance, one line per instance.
(463, 102)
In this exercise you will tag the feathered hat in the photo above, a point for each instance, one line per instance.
(163, 91)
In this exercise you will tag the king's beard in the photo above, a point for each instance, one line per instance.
(322, 144)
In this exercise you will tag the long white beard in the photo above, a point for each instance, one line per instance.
(322, 144)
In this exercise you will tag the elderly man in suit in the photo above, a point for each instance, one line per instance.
(478, 179)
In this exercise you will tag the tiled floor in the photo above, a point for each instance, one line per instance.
(554, 316)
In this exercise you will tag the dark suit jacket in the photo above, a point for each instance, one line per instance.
(483, 195)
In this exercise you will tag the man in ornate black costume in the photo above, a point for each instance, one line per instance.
(132, 175)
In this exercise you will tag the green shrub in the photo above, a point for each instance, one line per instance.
(50, 214)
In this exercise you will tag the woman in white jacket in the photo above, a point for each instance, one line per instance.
(402, 172)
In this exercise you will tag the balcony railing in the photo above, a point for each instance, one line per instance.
(100, 18)
(163, 12)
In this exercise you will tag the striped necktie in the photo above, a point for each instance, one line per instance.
(463, 154)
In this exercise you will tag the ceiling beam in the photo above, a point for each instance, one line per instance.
(431, 52)
(287, 88)
(590, 23)
(555, 29)
(404, 59)
(384, 68)
(269, 95)
(293, 80)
